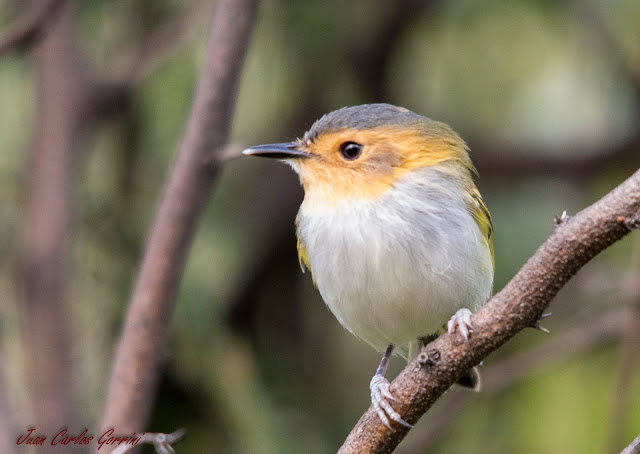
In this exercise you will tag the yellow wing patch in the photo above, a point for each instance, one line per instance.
(303, 258)
(483, 219)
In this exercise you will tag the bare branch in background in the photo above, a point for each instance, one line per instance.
(71, 97)
(31, 26)
(62, 82)
(519, 305)
(139, 355)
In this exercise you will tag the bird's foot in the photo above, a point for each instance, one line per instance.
(461, 319)
(380, 397)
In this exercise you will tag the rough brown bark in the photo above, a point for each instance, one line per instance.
(139, 354)
(519, 305)
(569, 345)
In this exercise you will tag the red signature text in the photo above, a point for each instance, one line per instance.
(64, 438)
(61, 438)
(107, 438)
(27, 439)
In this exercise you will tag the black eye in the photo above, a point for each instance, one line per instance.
(350, 150)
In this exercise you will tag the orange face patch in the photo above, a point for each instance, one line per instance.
(388, 153)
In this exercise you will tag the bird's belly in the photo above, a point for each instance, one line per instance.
(391, 277)
(375, 308)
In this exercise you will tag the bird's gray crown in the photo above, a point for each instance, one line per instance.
(365, 116)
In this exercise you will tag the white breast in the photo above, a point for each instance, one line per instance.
(396, 268)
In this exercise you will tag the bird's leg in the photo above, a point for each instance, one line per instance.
(380, 394)
(461, 319)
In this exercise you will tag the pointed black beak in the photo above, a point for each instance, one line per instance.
(285, 150)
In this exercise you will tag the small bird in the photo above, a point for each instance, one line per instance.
(392, 228)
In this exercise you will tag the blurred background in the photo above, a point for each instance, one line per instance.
(547, 94)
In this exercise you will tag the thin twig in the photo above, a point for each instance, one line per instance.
(161, 442)
(517, 306)
(139, 354)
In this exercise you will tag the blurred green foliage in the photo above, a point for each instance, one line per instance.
(286, 377)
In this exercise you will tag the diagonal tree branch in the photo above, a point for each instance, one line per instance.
(602, 329)
(31, 26)
(139, 354)
(574, 242)
(633, 448)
